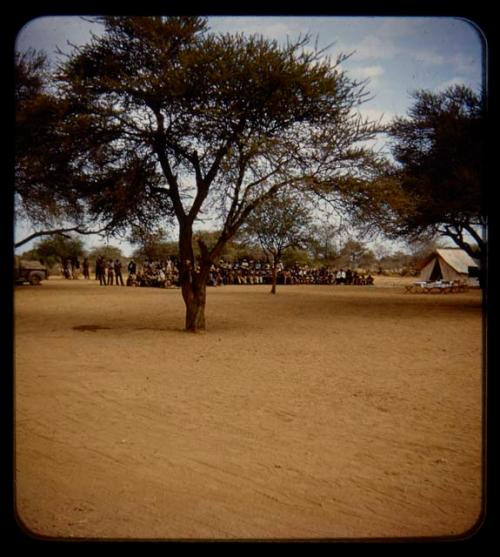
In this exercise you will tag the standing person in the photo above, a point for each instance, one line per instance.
(75, 267)
(132, 273)
(86, 268)
(110, 272)
(132, 267)
(118, 272)
(100, 270)
(66, 269)
(168, 273)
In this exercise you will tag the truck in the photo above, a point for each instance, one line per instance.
(26, 270)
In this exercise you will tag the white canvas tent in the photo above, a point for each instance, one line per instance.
(448, 264)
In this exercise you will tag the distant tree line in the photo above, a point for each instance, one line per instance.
(348, 254)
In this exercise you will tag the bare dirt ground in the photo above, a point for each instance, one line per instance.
(322, 412)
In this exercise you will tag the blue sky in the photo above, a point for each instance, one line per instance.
(397, 55)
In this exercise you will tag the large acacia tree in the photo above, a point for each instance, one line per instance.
(438, 176)
(215, 123)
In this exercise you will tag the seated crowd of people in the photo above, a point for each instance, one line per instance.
(153, 273)
(258, 272)
(166, 274)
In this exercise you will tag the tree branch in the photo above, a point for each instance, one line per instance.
(203, 183)
(477, 238)
(58, 231)
(159, 147)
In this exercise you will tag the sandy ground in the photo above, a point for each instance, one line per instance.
(324, 412)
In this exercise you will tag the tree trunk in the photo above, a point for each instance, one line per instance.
(193, 280)
(194, 294)
(274, 278)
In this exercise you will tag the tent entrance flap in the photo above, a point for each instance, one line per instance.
(436, 273)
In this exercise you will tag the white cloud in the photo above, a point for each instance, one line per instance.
(401, 27)
(427, 57)
(367, 72)
(373, 47)
(375, 114)
(454, 81)
(277, 28)
(465, 64)
(391, 40)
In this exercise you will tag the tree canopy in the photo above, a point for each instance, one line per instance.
(65, 177)
(439, 172)
(56, 249)
(278, 225)
(39, 158)
(151, 245)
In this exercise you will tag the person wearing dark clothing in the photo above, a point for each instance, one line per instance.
(86, 268)
(100, 270)
(110, 272)
(67, 269)
(132, 279)
(118, 272)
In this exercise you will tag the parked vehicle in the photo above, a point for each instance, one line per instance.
(26, 270)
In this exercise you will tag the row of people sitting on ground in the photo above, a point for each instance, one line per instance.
(153, 273)
(294, 275)
(166, 274)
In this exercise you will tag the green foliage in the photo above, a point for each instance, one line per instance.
(236, 251)
(322, 243)
(152, 245)
(33, 255)
(279, 224)
(70, 166)
(439, 150)
(40, 160)
(354, 254)
(107, 251)
(295, 256)
(57, 249)
(223, 120)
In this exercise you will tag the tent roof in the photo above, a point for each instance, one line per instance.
(456, 258)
